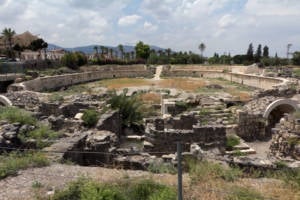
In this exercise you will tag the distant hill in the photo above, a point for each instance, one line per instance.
(90, 48)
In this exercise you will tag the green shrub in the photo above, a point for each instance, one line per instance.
(130, 107)
(148, 189)
(90, 117)
(12, 162)
(14, 114)
(232, 141)
(74, 60)
(241, 193)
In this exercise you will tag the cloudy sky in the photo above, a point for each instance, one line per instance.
(223, 25)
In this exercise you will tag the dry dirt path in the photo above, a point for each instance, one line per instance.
(57, 176)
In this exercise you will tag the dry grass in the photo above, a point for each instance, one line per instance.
(152, 98)
(186, 84)
(217, 189)
(122, 83)
(240, 95)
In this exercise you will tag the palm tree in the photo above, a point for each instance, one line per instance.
(121, 49)
(96, 50)
(8, 34)
(202, 48)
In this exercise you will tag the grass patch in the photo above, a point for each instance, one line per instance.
(162, 168)
(14, 114)
(85, 189)
(204, 170)
(12, 162)
(242, 193)
(43, 135)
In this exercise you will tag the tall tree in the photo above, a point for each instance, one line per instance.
(258, 53)
(102, 50)
(8, 35)
(38, 45)
(202, 48)
(121, 49)
(142, 50)
(250, 52)
(168, 51)
(266, 51)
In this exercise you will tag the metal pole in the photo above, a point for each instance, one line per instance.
(179, 169)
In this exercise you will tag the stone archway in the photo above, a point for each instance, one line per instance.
(276, 110)
(4, 101)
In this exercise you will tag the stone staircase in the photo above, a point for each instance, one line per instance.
(216, 114)
(241, 149)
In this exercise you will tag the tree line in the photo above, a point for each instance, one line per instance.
(143, 54)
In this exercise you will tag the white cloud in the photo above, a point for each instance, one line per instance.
(129, 20)
(226, 21)
(273, 7)
(149, 26)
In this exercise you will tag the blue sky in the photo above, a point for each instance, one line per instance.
(223, 25)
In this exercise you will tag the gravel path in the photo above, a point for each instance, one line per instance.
(57, 176)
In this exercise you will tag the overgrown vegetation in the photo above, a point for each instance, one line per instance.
(85, 189)
(90, 117)
(43, 136)
(10, 163)
(14, 114)
(130, 107)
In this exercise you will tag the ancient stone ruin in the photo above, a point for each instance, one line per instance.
(199, 121)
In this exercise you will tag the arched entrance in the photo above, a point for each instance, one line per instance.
(4, 101)
(276, 110)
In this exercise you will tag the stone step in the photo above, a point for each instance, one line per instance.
(135, 137)
(241, 146)
(243, 151)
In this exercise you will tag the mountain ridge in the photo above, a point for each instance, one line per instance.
(89, 49)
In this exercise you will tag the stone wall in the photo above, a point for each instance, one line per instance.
(205, 136)
(246, 79)
(56, 82)
(251, 127)
(286, 138)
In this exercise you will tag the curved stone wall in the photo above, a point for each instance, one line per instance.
(246, 79)
(56, 82)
